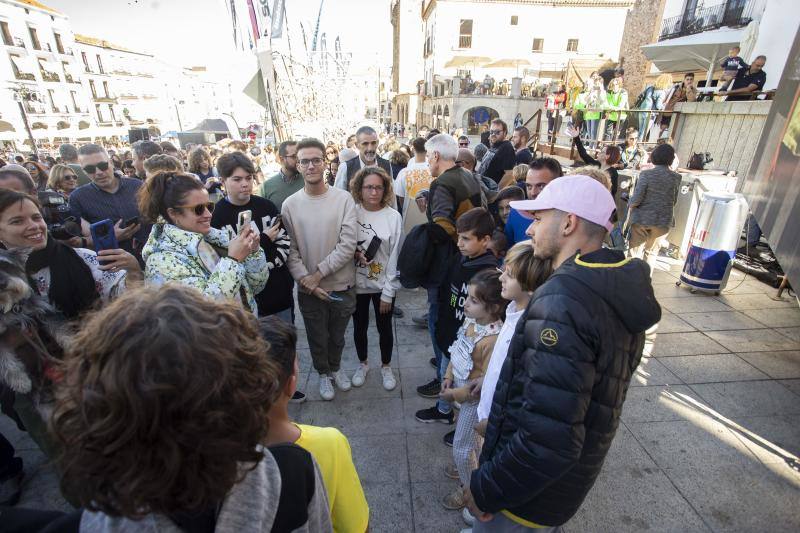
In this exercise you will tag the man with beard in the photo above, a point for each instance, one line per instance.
(141, 151)
(520, 140)
(367, 145)
(558, 399)
(501, 155)
(287, 181)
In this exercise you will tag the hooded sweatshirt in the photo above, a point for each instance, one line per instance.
(559, 397)
(250, 507)
(453, 294)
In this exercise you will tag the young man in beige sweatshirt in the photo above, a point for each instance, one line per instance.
(323, 227)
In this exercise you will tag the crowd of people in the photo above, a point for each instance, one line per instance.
(167, 408)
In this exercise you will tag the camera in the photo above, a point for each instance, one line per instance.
(55, 210)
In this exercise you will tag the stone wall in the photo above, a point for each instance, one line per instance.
(642, 26)
(729, 131)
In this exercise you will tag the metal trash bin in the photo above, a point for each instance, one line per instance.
(715, 236)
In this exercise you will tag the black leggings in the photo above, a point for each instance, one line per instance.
(361, 324)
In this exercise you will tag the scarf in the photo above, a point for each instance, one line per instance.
(72, 286)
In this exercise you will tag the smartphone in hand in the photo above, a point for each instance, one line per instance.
(244, 220)
(103, 236)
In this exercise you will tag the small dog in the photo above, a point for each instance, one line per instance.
(25, 318)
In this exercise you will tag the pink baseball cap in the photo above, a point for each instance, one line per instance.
(576, 194)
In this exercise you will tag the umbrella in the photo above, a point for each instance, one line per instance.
(693, 52)
(464, 61)
(509, 63)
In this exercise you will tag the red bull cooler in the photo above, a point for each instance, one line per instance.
(713, 242)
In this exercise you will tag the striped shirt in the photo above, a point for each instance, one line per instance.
(93, 204)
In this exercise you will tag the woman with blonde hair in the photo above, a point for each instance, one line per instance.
(62, 179)
(653, 97)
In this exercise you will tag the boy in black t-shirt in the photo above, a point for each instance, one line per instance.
(475, 228)
(237, 173)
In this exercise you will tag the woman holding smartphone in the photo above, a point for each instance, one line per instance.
(72, 279)
(379, 232)
(184, 248)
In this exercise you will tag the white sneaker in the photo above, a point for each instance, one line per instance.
(326, 388)
(360, 375)
(342, 381)
(468, 518)
(389, 383)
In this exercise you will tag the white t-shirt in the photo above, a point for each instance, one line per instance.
(497, 359)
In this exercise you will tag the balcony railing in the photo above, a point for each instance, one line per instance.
(465, 41)
(69, 52)
(19, 42)
(27, 76)
(50, 76)
(35, 109)
(68, 78)
(47, 47)
(731, 13)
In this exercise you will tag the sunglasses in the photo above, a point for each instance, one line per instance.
(495, 132)
(199, 209)
(102, 166)
(465, 144)
(70, 177)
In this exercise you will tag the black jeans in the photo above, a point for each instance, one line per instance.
(361, 324)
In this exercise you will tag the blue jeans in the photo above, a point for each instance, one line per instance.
(433, 310)
(591, 131)
(441, 360)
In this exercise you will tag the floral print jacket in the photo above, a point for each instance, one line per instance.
(173, 254)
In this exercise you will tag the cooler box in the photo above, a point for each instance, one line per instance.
(713, 241)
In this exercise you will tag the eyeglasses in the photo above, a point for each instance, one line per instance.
(373, 188)
(495, 132)
(70, 177)
(464, 144)
(309, 162)
(199, 209)
(102, 166)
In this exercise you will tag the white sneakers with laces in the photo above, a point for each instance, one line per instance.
(387, 375)
(360, 375)
(341, 380)
(326, 388)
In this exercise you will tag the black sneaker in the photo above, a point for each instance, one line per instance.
(421, 321)
(448, 438)
(298, 397)
(433, 414)
(432, 361)
(431, 389)
(398, 313)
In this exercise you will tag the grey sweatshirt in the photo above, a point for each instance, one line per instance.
(250, 507)
(324, 230)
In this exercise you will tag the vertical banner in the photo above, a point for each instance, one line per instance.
(253, 20)
(277, 18)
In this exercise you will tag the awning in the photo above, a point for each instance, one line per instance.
(467, 61)
(212, 125)
(6, 126)
(700, 51)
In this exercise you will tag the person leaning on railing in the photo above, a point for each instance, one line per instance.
(616, 100)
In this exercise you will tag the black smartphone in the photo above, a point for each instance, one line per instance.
(130, 222)
(372, 249)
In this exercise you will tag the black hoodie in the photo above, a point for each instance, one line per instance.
(558, 400)
(453, 294)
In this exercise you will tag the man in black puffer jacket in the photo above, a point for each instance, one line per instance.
(559, 397)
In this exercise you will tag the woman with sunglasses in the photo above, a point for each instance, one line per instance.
(63, 180)
(183, 247)
(38, 173)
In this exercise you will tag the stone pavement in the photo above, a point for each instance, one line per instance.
(709, 437)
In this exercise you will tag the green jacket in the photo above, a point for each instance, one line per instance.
(277, 191)
(617, 101)
(173, 254)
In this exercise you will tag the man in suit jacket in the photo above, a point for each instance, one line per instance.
(367, 145)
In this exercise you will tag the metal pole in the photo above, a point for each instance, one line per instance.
(27, 126)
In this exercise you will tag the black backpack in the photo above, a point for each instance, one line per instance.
(425, 256)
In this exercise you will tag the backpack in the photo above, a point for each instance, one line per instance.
(425, 256)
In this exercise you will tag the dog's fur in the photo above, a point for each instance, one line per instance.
(23, 310)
